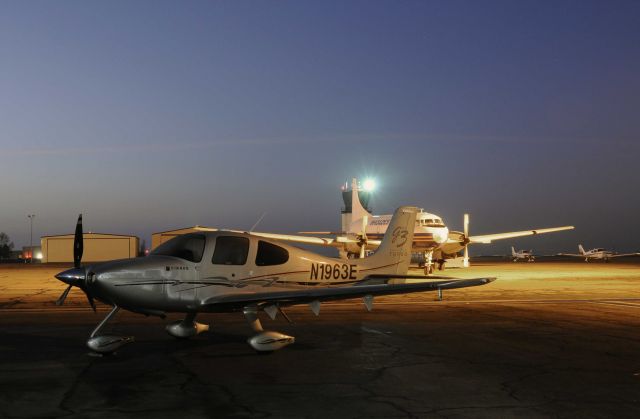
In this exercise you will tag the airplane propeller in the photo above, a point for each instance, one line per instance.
(77, 276)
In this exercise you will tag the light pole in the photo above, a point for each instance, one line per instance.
(31, 217)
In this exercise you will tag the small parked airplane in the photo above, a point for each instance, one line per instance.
(522, 254)
(597, 254)
(230, 271)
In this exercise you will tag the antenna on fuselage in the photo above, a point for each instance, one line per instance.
(257, 222)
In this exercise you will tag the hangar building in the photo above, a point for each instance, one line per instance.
(158, 238)
(97, 247)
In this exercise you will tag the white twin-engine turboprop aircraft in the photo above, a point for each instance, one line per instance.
(597, 254)
(230, 271)
(362, 231)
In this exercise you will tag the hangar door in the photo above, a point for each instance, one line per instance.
(96, 249)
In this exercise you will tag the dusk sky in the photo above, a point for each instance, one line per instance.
(152, 115)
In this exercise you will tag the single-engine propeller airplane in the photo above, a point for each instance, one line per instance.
(597, 254)
(517, 255)
(228, 271)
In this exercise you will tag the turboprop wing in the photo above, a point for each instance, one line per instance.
(488, 238)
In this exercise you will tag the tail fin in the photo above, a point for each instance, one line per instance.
(513, 251)
(581, 249)
(394, 254)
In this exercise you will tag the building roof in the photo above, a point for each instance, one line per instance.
(90, 234)
(196, 228)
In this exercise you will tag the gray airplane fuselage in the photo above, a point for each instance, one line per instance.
(172, 284)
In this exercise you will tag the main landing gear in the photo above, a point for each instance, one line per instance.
(264, 341)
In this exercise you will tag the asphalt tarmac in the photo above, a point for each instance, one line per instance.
(545, 339)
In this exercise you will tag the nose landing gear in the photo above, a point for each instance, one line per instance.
(107, 344)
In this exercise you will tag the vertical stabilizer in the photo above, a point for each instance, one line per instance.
(394, 254)
(581, 249)
(513, 251)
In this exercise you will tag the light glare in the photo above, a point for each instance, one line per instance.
(369, 185)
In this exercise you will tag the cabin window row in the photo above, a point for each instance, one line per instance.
(229, 250)
(234, 250)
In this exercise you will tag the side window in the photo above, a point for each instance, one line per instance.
(230, 250)
(270, 254)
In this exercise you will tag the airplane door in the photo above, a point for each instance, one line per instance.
(229, 260)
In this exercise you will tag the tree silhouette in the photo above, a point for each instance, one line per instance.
(6, 245)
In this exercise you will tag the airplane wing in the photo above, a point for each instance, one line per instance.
(337, 241)
(330, 241)
(624, 254)
(366, 287)
(488, 238)
(571, 254)
(320, 241)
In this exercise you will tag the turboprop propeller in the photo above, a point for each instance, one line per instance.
(77, 276)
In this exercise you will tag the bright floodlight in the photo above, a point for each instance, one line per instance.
(369, 185)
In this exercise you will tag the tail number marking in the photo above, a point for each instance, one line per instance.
(335, 271)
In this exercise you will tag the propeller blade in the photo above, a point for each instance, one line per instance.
(78, 246)
(90, 299)
(465, 260)
(63, 297)
(363, 230)
(466, 226)
(363, 236)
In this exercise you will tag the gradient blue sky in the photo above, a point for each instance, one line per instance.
(152, 115)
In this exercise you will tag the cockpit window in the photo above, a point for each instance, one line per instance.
(430, 222)
(188, 247)
(230, 250)
(270, 254)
